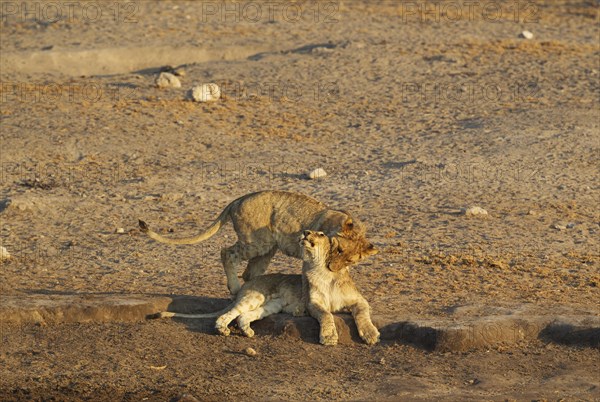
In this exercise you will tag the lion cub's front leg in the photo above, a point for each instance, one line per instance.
(327, 333)
(362, 317)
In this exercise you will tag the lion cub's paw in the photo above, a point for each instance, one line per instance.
(328, 336)
(370, 335)
(223, 330)
(249, 332)
(222, 327)
(300, 311)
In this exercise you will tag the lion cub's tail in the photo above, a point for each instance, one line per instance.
(169, 314)
(211, 231)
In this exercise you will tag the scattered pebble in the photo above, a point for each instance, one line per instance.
(4, 254)
(317, 173)
(571, 225)
(206, 93)
(120, 231)
(526, 35)
(167, 80)
(250, 352)
(474, 211)
(559, 226)
(179, 72)
(186, 398)
(382, 361)
(22, 204)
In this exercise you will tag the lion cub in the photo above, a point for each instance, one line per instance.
(258, 298)
(320, 287)
(268, 221)
(327, 290)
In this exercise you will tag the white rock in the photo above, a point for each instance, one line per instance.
(4, 254)
(250, 352)
(559, 226)
(317, 173)
(526, 35)
(206, 93)
(474, 211)
(179, 71)
(120, 231)
(167, 80)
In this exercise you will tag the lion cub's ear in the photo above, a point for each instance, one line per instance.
(348, 225)
(370, 250)
(334, 261)
(335, 244)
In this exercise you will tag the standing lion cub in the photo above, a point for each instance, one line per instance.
(324, 292)
(268, 221)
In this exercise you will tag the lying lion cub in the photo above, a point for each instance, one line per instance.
(274, 293)
(270, 220)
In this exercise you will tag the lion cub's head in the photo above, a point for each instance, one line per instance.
(320, 249)
(316, 247)
(351, 244)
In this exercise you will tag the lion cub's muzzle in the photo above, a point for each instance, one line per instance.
(307, 238)
(304, 238)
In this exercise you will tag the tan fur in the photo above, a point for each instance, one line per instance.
(326, 291)
(268, 221)
(258, 298)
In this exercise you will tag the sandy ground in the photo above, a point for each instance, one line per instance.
(413, 114)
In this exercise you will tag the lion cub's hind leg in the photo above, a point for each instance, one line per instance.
(231, 258)
(258, 265)
(248, 302)
(271, 307)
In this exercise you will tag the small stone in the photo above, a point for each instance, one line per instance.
(531, 212)
(167, 80)
(571, 225)
(317, 174)
(474, 211)
(526, 35)
(179, 72)
(250, 352)
(205, 93)
(186, 398)
(4, 254)
(382, 361)
(120, 230)
(559, 226)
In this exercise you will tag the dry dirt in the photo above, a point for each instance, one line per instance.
(414, 113)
